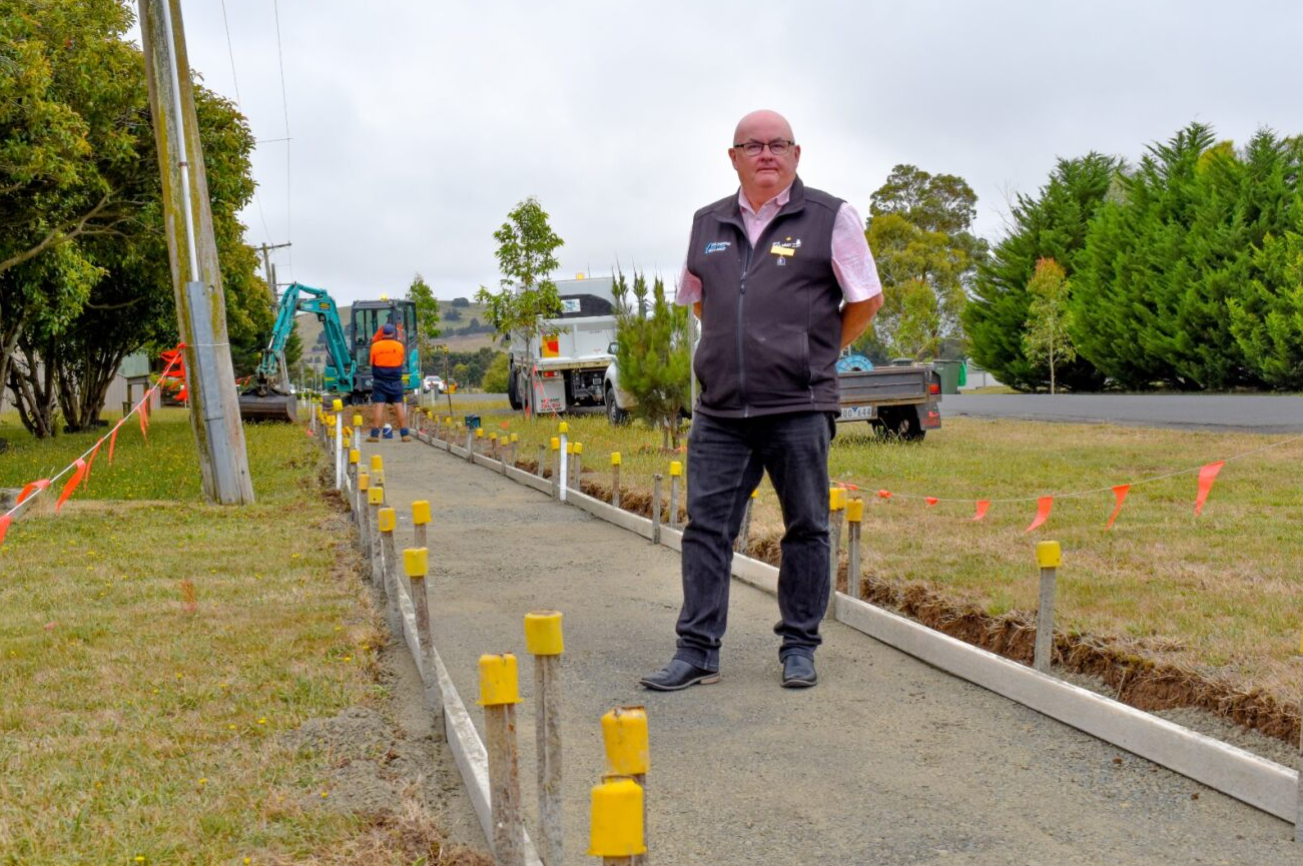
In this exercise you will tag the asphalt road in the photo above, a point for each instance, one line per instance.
(1251, 413)
(887, 761)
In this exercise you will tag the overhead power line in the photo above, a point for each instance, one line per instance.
(285, 108)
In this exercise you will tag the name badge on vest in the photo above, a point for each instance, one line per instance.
(784, 249)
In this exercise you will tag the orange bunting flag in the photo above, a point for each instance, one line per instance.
(1207, 475)
(77, 475)
(1043, 506)
(931, 500)
(307, 432)
(5, 520)
(144, 415)
(884, 494)
(982, 505)
(32, 489)
(1121, 493)
(113, 440)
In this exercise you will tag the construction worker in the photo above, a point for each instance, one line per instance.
(387, 357)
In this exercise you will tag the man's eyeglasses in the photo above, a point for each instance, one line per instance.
(778, 147)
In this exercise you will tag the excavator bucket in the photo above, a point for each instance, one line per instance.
(271, 406)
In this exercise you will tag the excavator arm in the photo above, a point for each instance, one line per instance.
(267, 396)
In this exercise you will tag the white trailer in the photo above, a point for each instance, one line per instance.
(563, 368)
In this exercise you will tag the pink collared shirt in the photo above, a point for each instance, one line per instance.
(852, 262)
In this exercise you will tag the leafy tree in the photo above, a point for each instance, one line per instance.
(1046, 338)
(495, 377)
(919, 233)
(526, 258)
(454, 314)
(427, 316)
(92, 295)
(653, 353)
(1051, 224)
(461, 302)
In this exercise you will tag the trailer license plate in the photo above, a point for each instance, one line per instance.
(858, 413)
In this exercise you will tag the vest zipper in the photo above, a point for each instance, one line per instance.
(741, 357)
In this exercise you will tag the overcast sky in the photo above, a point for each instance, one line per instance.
(417, 126)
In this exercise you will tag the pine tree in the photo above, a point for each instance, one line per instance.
(1051, 224)
(653, 353)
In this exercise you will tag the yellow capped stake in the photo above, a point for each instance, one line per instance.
(499, 684)
(570, 447)
(563, 428)
(1048, 554)
(357, 420)
(377, 463)
(836, 498)
(479, 432)
(617, 829)
(855, 510)
(447, 419)
(615, 458)
(515, 438)
(420, 512)
(556, 443)
(363, 480)
(337, 405)
(388, 520)
(375, 496)
(493, 437)
(676, 468)
(416, 561)
(354, 456)
(348, 432)
(579, 448)
(543, 633)
(624, 732)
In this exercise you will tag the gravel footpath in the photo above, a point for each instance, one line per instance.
(887, 761)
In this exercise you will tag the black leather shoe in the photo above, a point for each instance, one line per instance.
(798, 672)
(677, 675)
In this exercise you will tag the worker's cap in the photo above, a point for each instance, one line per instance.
(387, 329)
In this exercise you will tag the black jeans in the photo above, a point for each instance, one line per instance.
(726, 460)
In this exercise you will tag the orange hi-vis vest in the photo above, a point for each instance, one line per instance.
(387, 353)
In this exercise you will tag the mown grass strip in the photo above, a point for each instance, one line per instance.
(153, 647)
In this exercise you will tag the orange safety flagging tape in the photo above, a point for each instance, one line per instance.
(1121, 493)
(78, 474)
(1207, 475)
(884, 494)
(113, 441)
(1043, 506)
(90, 461)
(931, 500)
(144, 415)
(5, 520)
(982, 505)
(32, 489)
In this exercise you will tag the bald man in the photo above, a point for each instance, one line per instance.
(782, 279)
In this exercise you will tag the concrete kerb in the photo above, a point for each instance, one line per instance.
(1261, 783)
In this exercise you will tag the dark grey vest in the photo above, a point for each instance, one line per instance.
(770, 316)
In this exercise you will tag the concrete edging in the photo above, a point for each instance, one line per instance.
(1256, 781)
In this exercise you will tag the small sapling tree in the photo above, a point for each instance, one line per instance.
(653, 354)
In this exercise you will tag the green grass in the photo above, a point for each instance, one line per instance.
(1221, 593)
(134, 727)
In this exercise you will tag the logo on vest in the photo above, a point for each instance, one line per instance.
(717, 247)
(784, 249)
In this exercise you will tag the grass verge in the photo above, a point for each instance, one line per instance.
(153, 648)
(1216, 598)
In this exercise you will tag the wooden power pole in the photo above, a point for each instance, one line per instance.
(196, 276)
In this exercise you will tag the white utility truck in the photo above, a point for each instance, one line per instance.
(563, 369)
